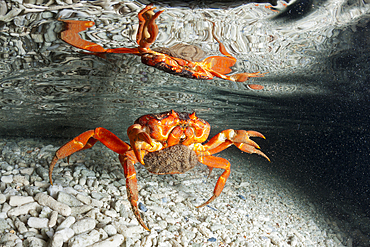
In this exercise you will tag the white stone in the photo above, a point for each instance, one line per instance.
(23, 209)
(54, 190)
(36, 242)
(170, 220)
(80, 209)
(21, 180)
(82, 181)
(158, 210)
(45, 212)
(20, 200)
(111, 213)
(148, 240)
(53, 218)
(84, 239)
(46, 200)
(67, 223)
(133, 230)
(57, 241)
(6, 207)
(7, 179)
(217, 227)
(113, 241)
(65, 233)
(27, 171)
(84, 199)
(83, 225)
(96, 203)
(68, 199)
(205, 231)
(36, 222)
(20, 226)
(110, 230)
(2, 198)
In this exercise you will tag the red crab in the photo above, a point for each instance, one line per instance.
(165, 143)
(206, 69)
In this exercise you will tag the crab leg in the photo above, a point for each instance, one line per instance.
(87, 140)
(127, 161)
(71, 36)
(140, 141)
(216, 162)
(224, 139)
(220, 66)
(242, 77)
(148, 29)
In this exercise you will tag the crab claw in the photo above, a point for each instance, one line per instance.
(136, 134)
(240, 138)
(243, 136)
(250, 149)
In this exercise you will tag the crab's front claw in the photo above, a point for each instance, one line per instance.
(240, 138)
(140, 141)
(250, 149)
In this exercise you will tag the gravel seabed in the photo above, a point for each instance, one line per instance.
(88, 206)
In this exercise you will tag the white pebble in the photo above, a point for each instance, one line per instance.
(96, 203)
(21, 180)
(158, 210)
(111, 213)
(148, 240)
(27, 171)
(36, 222)
(6, 208)
(20, 200)
(80, 209)
(36, 242)
(57, 241)
(113, 241)
(205, 231)
(20, 226)
(68, 199)
(217, 227)
(84, 199)
(2, 198)
(82, 181)
(23, 209)
(45, 212)
(7, 179)
(133, 230)
(65, 233)
(54, 189)
(110, 230)
(83, 225)
(84, 239)
(53, 218)
(46, 200)
(170, 220)
(67, 223)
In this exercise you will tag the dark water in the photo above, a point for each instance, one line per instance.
(314, 112)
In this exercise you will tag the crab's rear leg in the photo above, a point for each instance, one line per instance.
(220, 66)
(87, 140)
(71, 35)
(216, 162)
(127, 161)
